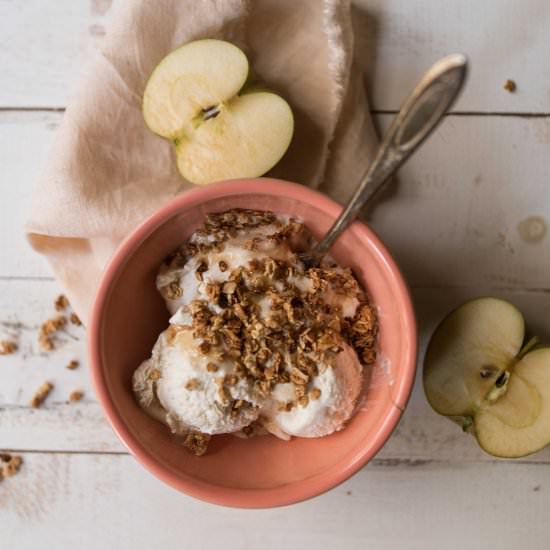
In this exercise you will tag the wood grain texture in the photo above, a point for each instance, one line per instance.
(24, 141)
(44, 48)
(503, 39)
(89, 502)
(25, 304)
(466, 210)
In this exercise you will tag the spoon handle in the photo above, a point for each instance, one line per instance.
(418, 117)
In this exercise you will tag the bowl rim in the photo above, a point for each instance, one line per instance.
(229, 496)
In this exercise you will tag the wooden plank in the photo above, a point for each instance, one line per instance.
(504, 39)
(467, 210)
(421, 434)
(24, 305)
(86, 501)
(470, 208)
(55, 39)
(397, 40)
(24, 142)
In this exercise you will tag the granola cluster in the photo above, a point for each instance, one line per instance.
(214, 232)
(41, 394)
(7, 347)
(295, 341)
(49, 329)
(9, 465)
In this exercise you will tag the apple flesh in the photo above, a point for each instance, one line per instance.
(476, 369)
(195, 99)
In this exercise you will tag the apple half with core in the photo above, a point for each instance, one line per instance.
(477, 368)
(195, 98)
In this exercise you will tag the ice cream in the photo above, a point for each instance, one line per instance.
(332, 398)
(256, 343)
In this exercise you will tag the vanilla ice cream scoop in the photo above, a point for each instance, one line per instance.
(331, 401)
(177, 386)
(180, 285)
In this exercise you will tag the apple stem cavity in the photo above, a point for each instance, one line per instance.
(467, 423)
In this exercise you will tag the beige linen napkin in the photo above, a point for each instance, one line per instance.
(106, 171)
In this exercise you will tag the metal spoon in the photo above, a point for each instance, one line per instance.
(418, 117)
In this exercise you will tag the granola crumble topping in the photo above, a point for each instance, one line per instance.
(302, 334)
(267, 322)
(193, 384)
(197, 442)
(314, 394)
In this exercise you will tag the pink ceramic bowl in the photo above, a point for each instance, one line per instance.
(129, 314)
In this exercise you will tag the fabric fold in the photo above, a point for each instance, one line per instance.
(106, 172)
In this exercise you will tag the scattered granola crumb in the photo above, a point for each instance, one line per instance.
(48, 329)
(40, 395)
(510, 86)
(73, 364)
(349, 493)
(11, 465)
(45, 342)
(75, 319)
(7, 347)
(197, 442)
(61, 302)
(75, 395)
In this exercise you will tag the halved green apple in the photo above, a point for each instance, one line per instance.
(476, 369)
(195, 99)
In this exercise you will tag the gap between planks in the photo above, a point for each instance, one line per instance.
(539, 290)
(380, 462)
(508, 114)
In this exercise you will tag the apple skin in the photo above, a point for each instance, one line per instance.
(476, 372)
(201, 97)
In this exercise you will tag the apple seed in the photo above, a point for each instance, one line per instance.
(502, 379)
(487, 371)
(210, 112)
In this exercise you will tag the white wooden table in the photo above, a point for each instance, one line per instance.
(452, 222)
